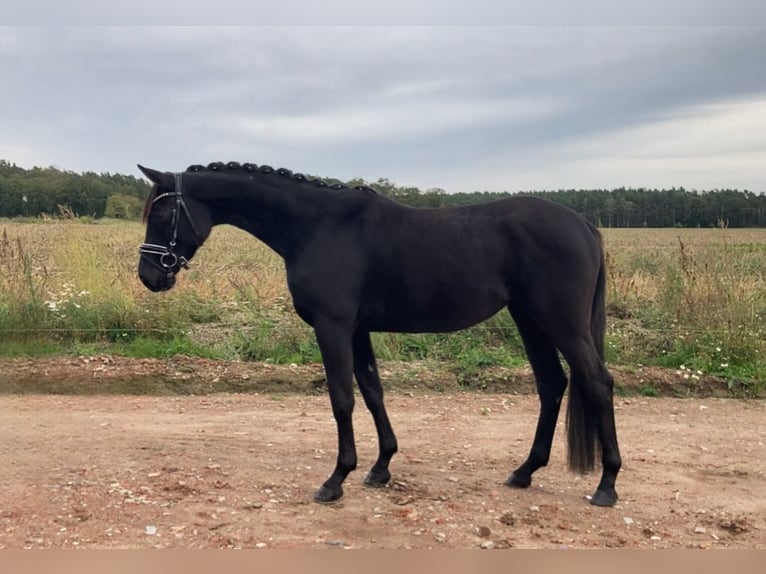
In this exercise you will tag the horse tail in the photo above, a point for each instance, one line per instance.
(598, 310)
(582, 432)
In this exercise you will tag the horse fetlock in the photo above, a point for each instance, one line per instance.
(388, 451)
(345, 467)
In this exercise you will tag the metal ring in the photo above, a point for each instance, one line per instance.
(165, 264)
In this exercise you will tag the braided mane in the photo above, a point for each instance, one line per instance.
(233, 166)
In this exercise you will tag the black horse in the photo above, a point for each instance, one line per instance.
(358, 262)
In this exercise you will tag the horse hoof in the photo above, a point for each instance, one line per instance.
(328, 495)
(377, 479)
(516, 481)
(604, 498)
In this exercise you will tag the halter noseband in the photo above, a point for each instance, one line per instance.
(168, 257)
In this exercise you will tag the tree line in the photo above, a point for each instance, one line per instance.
(38, 191)
(51, 191)
(620, 207)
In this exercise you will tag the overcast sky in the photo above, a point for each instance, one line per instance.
(458, 108)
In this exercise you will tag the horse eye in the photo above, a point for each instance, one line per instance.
(162, 213)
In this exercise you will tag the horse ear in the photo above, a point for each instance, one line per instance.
(160, 178)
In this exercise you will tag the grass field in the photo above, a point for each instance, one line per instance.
(690, 299)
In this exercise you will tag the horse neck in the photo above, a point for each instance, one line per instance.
(274, 208)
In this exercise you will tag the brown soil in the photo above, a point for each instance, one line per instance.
(106, 452)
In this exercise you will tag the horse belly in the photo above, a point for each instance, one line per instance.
(441, 310)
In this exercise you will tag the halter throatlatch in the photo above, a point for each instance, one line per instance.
(169, 262)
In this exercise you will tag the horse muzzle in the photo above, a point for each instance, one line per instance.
(155, 277)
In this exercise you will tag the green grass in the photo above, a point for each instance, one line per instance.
(31, 347)
(150, 347)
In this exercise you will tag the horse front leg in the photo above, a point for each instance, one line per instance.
(335, 345)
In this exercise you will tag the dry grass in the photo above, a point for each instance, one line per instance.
(711, 278)
(103, 257)
(674, 294)
(232, 265)
(638, 257)
(692, 299)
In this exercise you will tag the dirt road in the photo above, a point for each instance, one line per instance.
(239, 470)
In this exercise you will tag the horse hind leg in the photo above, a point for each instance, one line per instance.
(368, 379)
(590, 418)
(551, 383)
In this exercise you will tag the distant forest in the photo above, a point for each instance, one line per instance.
(50, 191)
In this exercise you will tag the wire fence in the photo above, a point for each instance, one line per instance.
(243, 326)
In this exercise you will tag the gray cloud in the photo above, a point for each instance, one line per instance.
(392, 12)
(455, 107)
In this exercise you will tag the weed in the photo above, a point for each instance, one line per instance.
(648, 391)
